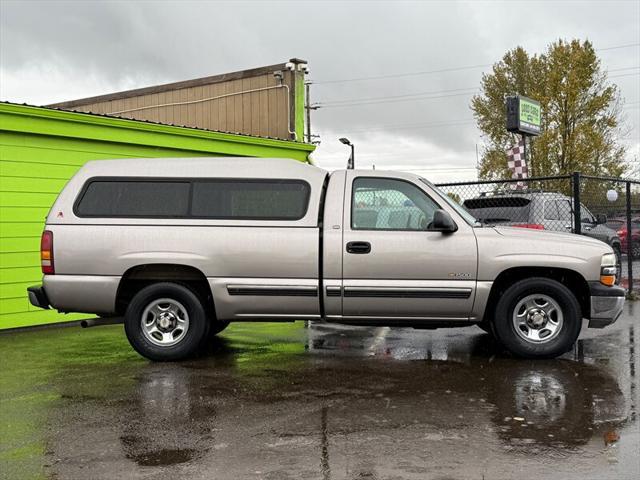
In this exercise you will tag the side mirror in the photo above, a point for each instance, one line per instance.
(601, 218)
(442, 222)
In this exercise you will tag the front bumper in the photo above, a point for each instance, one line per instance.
(606, 304)
(38, 297)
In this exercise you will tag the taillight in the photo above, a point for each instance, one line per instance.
(46, 253)
(535, 226)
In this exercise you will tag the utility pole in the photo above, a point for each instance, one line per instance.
(308, 107)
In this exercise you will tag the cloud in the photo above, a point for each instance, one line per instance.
(53, 51)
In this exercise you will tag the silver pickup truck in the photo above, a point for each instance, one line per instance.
(181, 247)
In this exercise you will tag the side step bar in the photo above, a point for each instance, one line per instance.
(97, 322)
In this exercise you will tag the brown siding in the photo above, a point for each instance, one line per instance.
(264, 113)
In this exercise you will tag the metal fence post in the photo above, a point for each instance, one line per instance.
(577, 216)
(629, 239)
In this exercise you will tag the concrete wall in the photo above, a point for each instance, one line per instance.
(40, 149)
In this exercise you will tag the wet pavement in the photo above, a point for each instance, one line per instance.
(285, 401)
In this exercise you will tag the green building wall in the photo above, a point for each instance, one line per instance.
(40, 149)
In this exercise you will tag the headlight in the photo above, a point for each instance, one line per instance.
(608, 270)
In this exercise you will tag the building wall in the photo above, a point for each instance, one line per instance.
(251, 102)
(40, 149)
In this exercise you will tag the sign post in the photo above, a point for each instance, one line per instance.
(523, 118)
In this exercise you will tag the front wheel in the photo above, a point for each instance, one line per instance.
(166, 322)
(537, 318)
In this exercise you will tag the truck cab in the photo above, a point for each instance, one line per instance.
(384, 242)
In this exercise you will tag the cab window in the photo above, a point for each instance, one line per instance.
(390, 204)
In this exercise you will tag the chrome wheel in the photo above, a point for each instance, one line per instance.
(165, 322)
(537, 318)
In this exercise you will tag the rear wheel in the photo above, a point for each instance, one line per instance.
(537, 318)
(165, 322)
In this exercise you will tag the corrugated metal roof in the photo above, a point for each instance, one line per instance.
(224, 77)
(6, 102)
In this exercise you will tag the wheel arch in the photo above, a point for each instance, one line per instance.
(571, 279)
(139, 276)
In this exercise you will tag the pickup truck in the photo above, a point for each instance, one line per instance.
(180, 247)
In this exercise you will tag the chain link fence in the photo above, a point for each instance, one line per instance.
(607, 209)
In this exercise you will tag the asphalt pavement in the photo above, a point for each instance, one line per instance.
(318, 401)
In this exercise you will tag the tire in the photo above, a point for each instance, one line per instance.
(556, 328)
(167, 307)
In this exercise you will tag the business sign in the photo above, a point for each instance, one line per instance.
(523, 116)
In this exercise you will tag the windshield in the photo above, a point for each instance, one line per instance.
(467, 217)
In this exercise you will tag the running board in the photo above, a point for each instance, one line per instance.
(100, 321)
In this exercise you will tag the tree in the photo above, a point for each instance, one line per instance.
(581, 112)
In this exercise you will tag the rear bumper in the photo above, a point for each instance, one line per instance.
(75, 293)
(82, 293)
(38, 297)
(606, 304)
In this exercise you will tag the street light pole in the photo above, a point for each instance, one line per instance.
(351, 162)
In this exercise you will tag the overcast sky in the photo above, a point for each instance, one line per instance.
(53, 51)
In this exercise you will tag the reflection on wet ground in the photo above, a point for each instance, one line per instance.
(282, 401)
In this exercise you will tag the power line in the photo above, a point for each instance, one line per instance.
(618, 47)
(621, 69)
(351, 100)
(427, 125)
(402, 158)
(418, 96)
(414, 99)
(441, 70)
(625, 75)
(400, 75)
(385, 97)
(411, 126)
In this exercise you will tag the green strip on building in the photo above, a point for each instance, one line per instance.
(41, 148)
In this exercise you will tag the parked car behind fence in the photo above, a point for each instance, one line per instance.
(570, 203)
(619, 224)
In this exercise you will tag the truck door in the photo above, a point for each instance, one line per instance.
(394, 267)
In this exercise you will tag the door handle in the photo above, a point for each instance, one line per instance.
(358, 247)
